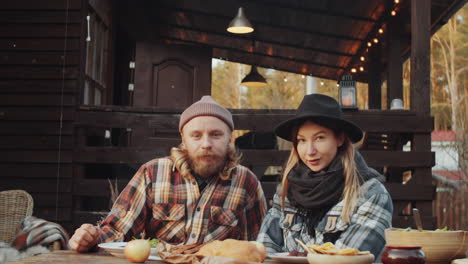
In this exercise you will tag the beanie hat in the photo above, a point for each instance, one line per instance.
(206, 107)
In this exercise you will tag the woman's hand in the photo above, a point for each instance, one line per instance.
(84, 238)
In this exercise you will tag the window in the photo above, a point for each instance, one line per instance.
(96, 78)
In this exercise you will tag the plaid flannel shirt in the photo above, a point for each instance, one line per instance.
(167, 206)
(365, 231)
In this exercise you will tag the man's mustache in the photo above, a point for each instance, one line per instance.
(207, 153)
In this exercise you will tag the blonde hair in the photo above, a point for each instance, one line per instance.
(180, 157)
(351, 191)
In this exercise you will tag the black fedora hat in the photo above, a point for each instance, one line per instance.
(324, 110)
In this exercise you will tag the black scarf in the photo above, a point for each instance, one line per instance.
(315, 193)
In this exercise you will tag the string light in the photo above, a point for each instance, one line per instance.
(337, 85)
(397, 1)
(376, 40)
(322, 83)
(353, 70)
(362, 58)
(381, 30)
(369, 44)
(361, 68)
(393, 13)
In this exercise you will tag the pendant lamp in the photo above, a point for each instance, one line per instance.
(240, 24)
(254, 79)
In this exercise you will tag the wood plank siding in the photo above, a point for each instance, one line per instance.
(40, 58)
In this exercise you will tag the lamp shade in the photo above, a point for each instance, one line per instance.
(254, 79)
(240, 24)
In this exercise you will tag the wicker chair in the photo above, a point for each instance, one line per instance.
(15, 205)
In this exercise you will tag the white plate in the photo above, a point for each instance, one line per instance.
(283, 257)
(336, 259)
(117, 249)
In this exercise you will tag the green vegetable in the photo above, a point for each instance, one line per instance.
(153, 242)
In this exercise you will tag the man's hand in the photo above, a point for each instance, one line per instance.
(84, 238)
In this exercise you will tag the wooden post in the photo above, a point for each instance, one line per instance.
(420, 56)
(421, 90)
(375, 78)
(395, 64)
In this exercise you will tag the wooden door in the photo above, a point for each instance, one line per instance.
(168, 77)
(171, 76)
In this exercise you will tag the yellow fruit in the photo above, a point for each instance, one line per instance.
(137, 251)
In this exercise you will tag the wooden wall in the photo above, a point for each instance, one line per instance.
(39, 76)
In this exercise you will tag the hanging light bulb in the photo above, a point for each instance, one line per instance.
(254, 79)
(240, 24)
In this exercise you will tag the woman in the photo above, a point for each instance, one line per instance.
(327, 193)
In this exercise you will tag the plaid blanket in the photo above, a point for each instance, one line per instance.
(33, 231)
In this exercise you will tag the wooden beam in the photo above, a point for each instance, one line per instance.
(208, 22)
(375, 80)
(36, 114)
(32, 16)
(278, 64)
(258, 13)
(249, 119)
(273, 48)
(35, 156)
(41, 100)
(35, 5)
(43, 128)
(395, 62)
(18, 170)
(32, 142)
(38, 86)
(420, 83)
(411, 192)
(39, 44)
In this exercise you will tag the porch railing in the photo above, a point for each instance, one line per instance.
(141, 134)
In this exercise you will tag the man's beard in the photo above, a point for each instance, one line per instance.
(205, 170)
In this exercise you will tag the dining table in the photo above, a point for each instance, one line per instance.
(101, 257)
(72, 257)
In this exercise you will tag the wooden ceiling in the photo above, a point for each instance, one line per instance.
(323, 38)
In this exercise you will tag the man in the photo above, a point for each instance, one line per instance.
(198, 194)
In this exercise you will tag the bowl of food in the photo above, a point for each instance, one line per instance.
(338, 259)
(439, 246)
(329, 254)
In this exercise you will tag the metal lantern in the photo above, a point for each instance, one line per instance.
(348, 93)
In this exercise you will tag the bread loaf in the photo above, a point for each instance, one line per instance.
(237, 249)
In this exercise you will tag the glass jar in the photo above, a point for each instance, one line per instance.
(403, 255)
